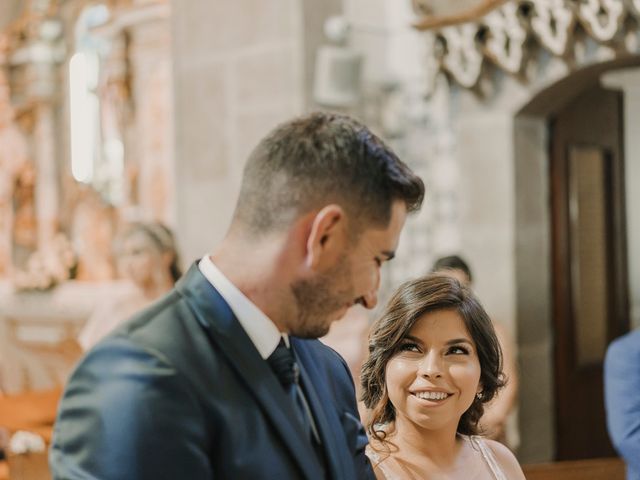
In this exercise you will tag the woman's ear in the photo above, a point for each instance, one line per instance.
(479, 390)
(327, 237)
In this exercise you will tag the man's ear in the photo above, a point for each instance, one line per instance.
(327, 237)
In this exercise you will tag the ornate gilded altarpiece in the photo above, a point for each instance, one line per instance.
(99, 71)
(56, 215)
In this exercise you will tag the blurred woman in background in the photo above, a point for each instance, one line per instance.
(147, 257)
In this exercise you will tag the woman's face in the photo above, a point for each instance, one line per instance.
(139, 259)
(435, 376)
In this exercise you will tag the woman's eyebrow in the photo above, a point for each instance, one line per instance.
(412, 338)
(459, 340)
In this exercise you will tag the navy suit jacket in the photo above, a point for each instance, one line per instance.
(622, 399)
(180, 392)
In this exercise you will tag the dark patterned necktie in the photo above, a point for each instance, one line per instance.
(284, 365)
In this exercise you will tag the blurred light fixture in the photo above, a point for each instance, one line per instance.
(338, 68)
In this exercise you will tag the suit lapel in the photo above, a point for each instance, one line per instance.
(226, 333)
(327, 421)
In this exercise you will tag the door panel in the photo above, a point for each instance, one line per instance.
(589, 264)
(588, 251)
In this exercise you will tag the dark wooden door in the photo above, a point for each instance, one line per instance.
(589, 264)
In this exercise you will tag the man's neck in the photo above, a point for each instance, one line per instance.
(254, 269)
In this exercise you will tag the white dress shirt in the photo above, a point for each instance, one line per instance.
(261, 330)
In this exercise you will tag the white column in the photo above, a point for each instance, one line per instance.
(47, 194)
(40, 60)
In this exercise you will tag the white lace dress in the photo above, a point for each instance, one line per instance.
(478, 445)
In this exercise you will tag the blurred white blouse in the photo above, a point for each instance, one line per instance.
(112, 312)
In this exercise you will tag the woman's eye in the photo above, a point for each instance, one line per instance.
(409, 347)
(458, 350)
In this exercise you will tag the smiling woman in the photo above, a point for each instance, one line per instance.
(434, 363)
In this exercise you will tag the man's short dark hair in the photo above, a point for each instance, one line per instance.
(319, 159)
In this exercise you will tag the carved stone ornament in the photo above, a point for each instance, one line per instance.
(601, 18)
(501, 34)
(462, 59)
(634, 6)
(505, 43)
(552, 21)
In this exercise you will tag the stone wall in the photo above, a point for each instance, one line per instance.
(236, 75)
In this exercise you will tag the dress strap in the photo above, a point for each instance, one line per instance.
(377, 462)
(488, 456)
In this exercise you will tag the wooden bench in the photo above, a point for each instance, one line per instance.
(592, 469)
(34, 412)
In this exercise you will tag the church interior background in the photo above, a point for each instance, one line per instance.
(120, 110)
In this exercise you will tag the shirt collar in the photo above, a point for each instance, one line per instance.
(261, 330)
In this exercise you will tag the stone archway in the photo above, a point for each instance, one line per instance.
(508, 71)
(533, 264)
(502, 148)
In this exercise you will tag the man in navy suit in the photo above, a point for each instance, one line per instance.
(190, 388)
(622, 399)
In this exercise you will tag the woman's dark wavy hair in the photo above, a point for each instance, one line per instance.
(410, 303)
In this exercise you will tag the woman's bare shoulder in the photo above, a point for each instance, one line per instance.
(377, 456)
(506, 460)
(379, 473)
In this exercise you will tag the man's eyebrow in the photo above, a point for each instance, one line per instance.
(389, 254)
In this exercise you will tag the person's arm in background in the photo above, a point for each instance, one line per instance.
(622, 397)
(494, 420)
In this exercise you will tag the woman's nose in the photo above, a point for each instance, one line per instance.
(430, 365)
